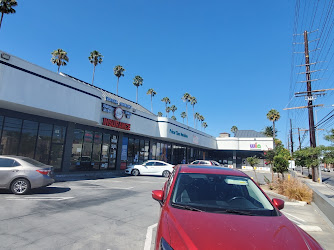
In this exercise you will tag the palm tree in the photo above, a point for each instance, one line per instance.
(234, 129)
(159, 114)
(173, 108)
(6, 7)
(197, 115)
(118, 72)
(166, 101)
(201, 119)
(59, 57)
(167, 111)
(183, 115)
(273, 115)
(174, 118)
(193, 101)
(204, 125)
(152, 93)
(95, 58)
(137, 81)
(186, 98)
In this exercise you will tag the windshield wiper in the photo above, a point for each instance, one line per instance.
(232, 211)
(186, 207)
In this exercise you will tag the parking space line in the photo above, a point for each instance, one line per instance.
(290, 215)
(148, 239)
(38, 198)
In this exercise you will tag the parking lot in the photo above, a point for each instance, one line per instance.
(113, 213)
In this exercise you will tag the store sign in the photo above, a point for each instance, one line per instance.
(115, 124)
(110, 109)
(118, 103)
(118, 113)
(255, 145)
(177, 133)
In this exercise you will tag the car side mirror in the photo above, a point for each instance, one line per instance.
(158, 195)
(278, 203)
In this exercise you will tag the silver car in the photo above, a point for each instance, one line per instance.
(20, 174)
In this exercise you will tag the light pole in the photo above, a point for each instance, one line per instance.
(316, 122)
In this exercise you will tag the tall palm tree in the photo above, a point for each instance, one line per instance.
(118, 72)
(167, 111)
(173, 108)
(59, 57)
(137, 81)
(183, 115)
(204, 125)
(201, 119)
(186, 98)
(234, 129)
(273, 115)
(174, 118)
(197, 115)
(95, 58)
(159, 114)
(152, 93)
(166, 101)
(193, 101)
(6, 7)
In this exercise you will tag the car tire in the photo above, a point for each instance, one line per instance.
(20, 186)
(135, 172)
(165, 173)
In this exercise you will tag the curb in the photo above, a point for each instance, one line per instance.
(89, 175)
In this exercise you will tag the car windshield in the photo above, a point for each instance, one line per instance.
(33, 162)
(220, 194)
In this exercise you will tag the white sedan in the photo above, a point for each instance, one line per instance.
(150, 167)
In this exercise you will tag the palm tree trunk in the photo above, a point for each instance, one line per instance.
(93, 75)
(257, 181)
(187, 111)
(1, 20)
(151, 104)
(58, 69)
(117, 86)
(274, 133)
(137, 96)
(194, 114)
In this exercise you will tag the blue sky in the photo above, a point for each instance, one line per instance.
(233, 56)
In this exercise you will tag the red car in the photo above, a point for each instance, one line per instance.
(220, 208)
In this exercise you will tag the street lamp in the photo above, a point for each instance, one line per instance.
(316, 122)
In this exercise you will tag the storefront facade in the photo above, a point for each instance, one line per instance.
(73, 126)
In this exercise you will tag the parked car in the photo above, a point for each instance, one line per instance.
(21, 174)
(205, 162)
(150, 167)
(326, 170)
(221, 208)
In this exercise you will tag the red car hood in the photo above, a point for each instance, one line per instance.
(201, 230)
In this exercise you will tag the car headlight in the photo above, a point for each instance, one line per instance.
(164, 245)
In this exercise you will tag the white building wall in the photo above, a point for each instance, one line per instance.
(23, 91)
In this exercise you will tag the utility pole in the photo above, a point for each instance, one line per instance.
(309, 94)
(291, 138)
(315, 172)
(300, 146)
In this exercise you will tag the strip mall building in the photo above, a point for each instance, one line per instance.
(74, 126)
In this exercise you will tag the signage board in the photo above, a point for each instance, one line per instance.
(116, 124)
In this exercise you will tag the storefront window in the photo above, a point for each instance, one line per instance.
(43, 143)
(146, 150)
(96, 150)
(57, 147)
(87, 148)
(113, 152)
(28, 139)
(76, 149)
(154, 151)
(105, 151)
(124, 154)
(11, 136)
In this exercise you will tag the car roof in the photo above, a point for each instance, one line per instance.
(204, 169)
(13, 156)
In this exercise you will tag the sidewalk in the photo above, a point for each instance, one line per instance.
(323, 196)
